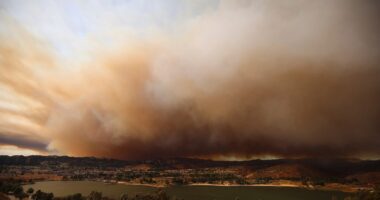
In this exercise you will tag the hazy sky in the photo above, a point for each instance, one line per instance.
(216, 79)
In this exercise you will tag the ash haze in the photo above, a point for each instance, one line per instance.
(211, 79)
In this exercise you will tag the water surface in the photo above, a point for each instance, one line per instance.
(63, 188)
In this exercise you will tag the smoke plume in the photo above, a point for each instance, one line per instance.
(250, 78)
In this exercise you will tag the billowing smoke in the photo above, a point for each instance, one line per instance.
(281, 78)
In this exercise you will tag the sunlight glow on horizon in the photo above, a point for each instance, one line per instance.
(11, 150)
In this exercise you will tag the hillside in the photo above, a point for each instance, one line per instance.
(275, 169)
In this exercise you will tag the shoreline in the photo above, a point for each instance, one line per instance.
(246, 185)
(329, 187)
(212, 184)
(141, 184)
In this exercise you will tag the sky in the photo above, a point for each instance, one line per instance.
(139, 79)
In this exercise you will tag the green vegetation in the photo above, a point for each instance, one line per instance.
(30, 191)
(39, 195)
(13, 187)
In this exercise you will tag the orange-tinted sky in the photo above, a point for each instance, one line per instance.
(215, 79)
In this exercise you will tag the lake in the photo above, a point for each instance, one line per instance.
(63, 188)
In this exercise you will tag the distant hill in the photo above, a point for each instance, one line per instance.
(51, 160)
(287, 171)
(281, 168)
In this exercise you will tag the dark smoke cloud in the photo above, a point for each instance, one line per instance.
(23, 142)
(289, 78)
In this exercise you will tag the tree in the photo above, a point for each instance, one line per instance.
(39, 195)
(19, 190)
(30, 191)
(19, 193)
